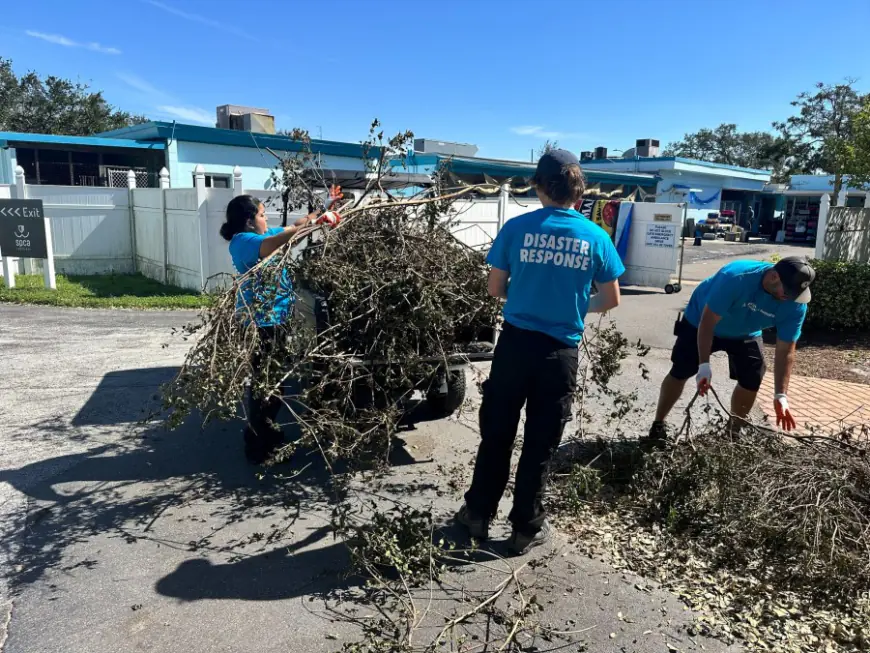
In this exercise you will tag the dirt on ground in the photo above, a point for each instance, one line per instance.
(830, 355)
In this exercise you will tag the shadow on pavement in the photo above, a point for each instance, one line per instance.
(128, 489)
(122, 489)
(628, 291)
(124, 397)
(282, 573)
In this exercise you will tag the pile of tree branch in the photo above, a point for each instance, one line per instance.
(383, 301)
(765, 535)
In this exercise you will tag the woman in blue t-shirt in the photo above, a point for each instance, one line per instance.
(543, 264)
(267, 300)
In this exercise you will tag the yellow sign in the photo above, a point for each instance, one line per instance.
(662, 217)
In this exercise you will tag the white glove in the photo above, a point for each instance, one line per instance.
(704, 378)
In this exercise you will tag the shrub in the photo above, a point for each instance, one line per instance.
(841, 296)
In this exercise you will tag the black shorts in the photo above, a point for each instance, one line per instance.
(745, 356)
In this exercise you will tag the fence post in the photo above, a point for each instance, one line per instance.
(164, 184)
(202, 206)
(841, 196)
(822, 225)
(502, 206)
(237, 181)
(131, 186)
(10, 264)
(19, 192)
(867, 200)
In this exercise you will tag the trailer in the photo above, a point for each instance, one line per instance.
(444, 388)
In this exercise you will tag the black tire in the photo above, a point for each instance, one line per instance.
(444, 405)
(670, 289)
(678, 287)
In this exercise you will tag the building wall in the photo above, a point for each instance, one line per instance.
(821, 183)
(257, 165)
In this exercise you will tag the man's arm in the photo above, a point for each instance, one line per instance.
(608, 297)
(783, 363)
(497, 282)
(706, 328)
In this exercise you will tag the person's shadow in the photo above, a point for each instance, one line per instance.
(281, 573)
(121, 489)
(124, 488)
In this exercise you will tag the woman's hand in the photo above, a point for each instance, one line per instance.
(330, 218)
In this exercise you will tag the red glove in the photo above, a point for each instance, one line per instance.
(783, 414)
(335, 194)
(330, 218)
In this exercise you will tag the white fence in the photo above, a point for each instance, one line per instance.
(177, 231)
(90, 227)
(173, 235)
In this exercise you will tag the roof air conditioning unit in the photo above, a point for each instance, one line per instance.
(247, 119)
(432, 146)
(647, 147)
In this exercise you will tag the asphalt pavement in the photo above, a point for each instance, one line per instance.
(118, 536)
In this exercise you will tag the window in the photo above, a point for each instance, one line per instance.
(216, 181)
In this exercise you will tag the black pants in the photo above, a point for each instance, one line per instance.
(528, 368)
(263, 411)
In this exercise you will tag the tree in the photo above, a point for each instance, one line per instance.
(52, 105)
(858, 153)
(726, 145)
(546, 147)
(821, 133)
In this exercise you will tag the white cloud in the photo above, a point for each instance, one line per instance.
(140, 84)
(203, 20)
(539, 132)
(58, 39)
(189, 114)
(529, 130)
(166, 104)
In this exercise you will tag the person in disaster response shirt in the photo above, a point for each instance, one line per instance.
(543, 264)
(728, 312)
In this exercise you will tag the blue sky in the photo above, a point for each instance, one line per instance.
(505, 75)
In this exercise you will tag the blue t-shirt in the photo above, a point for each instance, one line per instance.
(735, 293)
(271, 303)
(552, 257)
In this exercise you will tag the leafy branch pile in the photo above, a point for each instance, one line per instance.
(766, 537)
(402, 295)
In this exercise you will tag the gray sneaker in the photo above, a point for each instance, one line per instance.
(478, 527)
(520, 543)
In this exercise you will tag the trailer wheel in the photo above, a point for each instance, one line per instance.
(678, 287)
(670, 289)
(444, 405)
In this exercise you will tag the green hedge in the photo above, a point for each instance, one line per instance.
(841, 296)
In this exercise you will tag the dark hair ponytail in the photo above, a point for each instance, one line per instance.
(567, 187)
(241, 212)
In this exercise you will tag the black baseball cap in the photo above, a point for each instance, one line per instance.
(552, 162)
(796, 275)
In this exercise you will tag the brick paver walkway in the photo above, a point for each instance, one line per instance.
(819, 401)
